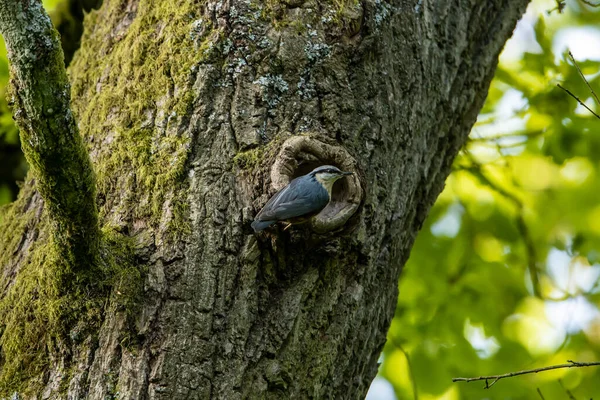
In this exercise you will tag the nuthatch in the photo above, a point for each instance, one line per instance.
(302, 198)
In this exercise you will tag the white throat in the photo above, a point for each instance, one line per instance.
(327, 184)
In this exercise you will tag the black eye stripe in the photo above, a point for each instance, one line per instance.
(329, 171)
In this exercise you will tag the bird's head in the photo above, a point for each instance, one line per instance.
(326, 175)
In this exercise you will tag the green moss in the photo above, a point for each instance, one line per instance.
(41, 303)
(300, 27)
(121, 274)
(48, 306)
(343, 6)
(180, 222)
(30, 314)
(259, 157)
(136, 93)
(249, 159)
(19, 340)
(50, 140)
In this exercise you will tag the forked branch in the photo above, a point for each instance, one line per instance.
(584, 78)
(578, 100)
(588, 85)
(496, 378)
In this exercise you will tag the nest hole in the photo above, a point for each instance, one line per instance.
(299, 156)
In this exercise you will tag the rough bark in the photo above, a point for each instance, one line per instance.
(185, 108)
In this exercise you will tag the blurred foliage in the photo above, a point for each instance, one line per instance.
(504, 275)
(12, 163)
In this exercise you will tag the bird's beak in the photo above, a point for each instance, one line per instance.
(347, 173)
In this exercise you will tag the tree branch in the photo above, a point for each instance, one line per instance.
(413, 381)
(584, 78)
(496, 378)
(493, 138)
(577, 98)
(567, 391)
(589, 3)
(540, 393)
(477, 171)
(40, 95)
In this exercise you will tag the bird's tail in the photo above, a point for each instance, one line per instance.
(260, 225)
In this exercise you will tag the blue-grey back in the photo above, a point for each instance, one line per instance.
(304, 195)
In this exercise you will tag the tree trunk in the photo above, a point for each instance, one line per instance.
(194, 113)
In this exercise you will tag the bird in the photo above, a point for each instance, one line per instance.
(302, 198)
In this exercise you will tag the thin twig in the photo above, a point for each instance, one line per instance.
(496, 378)
(492, 138)
(560, 6)
(584, 78)
(540, 393)
(567, 391)
(477, 172)
(413, 381)
(589, 3)
(577, 98)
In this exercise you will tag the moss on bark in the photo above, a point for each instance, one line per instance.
(137, 82)
(46, 309)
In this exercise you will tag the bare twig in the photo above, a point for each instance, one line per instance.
(577, 98)
(496, 378)
(413, 381)
(560, 6)
(589, 3)
(493, 138)
(476, 171)
(540, 393)
(567, 391)
(411, 373)
(40, 95)
(584, 78)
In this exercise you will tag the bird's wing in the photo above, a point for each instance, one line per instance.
(293, 201)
